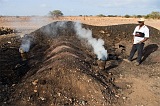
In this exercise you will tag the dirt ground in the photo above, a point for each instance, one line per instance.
(62, 71)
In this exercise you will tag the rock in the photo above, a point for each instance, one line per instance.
(101, 31)
(35, 90)
(42, 98)
(35, 82)
(124, 98)
(128, 86)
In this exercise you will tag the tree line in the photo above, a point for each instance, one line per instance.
(152, 15)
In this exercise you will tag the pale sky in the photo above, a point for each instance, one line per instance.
(78, 7)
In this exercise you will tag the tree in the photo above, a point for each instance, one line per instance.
(56, 13)
(153, 15)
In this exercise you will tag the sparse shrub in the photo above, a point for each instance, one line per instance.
(17, 16)
(147, 16)
(101, 15)
(127, 16)
(112, 15)
(139, 16)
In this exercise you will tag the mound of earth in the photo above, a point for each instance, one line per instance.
(62, 70)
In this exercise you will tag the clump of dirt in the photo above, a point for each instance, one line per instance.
(62, 69)
(5, 30)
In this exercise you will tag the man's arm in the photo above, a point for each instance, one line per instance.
(145, 39)
(133, 38)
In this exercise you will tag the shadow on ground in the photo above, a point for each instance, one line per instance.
(148, 50)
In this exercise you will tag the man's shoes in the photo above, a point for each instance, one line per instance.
(137, 63)
(127, 60)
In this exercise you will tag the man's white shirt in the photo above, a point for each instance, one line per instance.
(144, 29)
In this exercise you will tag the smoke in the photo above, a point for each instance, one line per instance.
(54, 28)
(37, 21)
(51, 30)
(97, 44)
(28, 24)
(57, 28)
(26, 42)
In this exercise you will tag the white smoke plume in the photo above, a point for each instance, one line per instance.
(30, 23)
(52, 29)
(26, 42)
(97, 44)
(37, 22)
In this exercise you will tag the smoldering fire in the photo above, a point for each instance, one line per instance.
(82, 33)
(25, 46)
(26, 42)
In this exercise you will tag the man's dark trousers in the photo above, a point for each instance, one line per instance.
(137, 47)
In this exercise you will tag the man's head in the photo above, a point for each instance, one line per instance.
(141, 21)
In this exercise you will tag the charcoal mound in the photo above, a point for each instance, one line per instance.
(61, 68)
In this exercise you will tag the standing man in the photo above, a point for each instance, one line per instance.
(140, 35)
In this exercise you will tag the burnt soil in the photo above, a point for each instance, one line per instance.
(62, 69)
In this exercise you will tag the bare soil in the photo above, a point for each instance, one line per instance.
(62, 70)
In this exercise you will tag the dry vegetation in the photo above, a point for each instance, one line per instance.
(36, 22)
